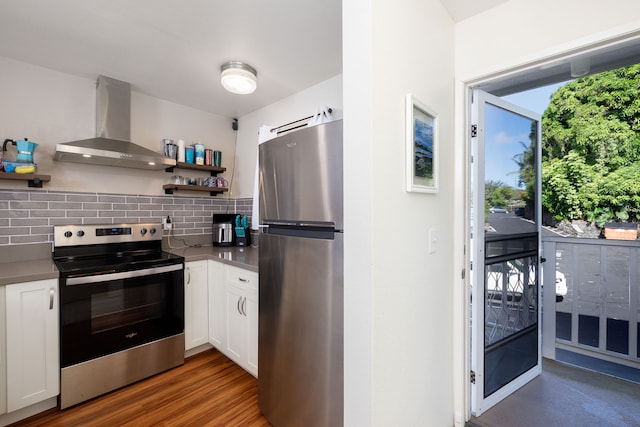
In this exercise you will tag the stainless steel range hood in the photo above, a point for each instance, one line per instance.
(112, 146)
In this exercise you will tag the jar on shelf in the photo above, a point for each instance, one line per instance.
(189, 154)
(199, 154)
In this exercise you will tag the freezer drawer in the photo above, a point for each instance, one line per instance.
(301, 330)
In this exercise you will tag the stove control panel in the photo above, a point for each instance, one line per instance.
(114, 231)
(91, 234)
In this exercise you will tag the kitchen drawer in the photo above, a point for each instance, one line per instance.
(240, 277)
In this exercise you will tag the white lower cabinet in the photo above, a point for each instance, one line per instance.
(241, 317)
(233, 314)
(217, 335)
(3, 357)
(196, 318)
(252, 331)
(32, 347)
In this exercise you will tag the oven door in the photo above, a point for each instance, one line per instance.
(107, 313)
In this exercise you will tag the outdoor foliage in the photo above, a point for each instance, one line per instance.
(591, 148)
(497, 193)
(526, 162)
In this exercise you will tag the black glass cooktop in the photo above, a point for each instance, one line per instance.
(114, 262)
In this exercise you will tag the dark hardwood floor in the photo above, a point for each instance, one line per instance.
(208, 390)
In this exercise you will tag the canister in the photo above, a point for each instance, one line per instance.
(188, 153)
(199, 154)
(208, 154)
(181, 150)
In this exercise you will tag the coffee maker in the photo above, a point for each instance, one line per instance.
(223, 230)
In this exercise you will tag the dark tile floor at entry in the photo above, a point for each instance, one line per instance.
(567, 396)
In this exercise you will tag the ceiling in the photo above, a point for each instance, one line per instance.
(173, 49)
(463, 9)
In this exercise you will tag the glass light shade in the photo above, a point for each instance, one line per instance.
(238, 77)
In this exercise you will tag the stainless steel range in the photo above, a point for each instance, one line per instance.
(121, 307)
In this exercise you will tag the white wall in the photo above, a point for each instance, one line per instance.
(518, 33)
(50, 107)
(302, 104)
(391, 49)
(357, 54)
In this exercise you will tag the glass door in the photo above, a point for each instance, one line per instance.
(505, 280)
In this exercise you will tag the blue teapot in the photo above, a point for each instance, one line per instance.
(25, 149)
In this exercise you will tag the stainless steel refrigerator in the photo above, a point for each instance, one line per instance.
(300, 353)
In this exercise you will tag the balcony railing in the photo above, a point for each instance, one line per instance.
(598, 316)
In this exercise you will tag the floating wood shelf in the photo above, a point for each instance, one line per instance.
(213, 191)
(33, 180)
(214, 170)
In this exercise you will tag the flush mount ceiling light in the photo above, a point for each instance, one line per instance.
(238, 77)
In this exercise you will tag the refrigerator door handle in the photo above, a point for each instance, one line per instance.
(313, 233)
(293, 223)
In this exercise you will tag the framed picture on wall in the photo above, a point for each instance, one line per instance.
(421, 147)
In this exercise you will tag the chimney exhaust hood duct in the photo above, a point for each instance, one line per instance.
(112, 146)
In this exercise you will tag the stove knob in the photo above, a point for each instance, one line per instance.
(80, 233)
(68, 234)
(143, 231)
(152, 231)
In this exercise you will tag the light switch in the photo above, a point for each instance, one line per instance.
(433, 240)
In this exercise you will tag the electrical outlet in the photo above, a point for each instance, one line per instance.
(166, 223)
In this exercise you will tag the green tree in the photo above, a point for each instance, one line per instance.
(497, 193)
(591, 147)
(526, 162)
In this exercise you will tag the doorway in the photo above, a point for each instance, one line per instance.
(613, 56)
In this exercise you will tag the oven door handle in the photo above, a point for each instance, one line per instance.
(81, 280)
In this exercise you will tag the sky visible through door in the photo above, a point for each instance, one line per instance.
(503, 168)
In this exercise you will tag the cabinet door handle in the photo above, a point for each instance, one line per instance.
(244, 306)
(238, 305)
(52, 293)
(188, 276)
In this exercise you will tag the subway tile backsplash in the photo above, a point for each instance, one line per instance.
(29, 216)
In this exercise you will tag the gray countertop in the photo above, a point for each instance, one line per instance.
(27, 271)
(18, 271)
(243, 257)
